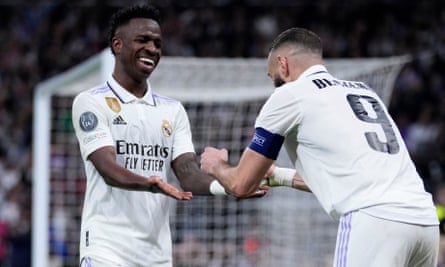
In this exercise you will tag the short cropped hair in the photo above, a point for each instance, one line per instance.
(306, 39)
(124, 15)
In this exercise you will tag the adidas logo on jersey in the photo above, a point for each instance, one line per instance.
(119, 120)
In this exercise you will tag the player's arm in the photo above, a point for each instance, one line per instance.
(193, 179)
(277, 176)
(190, 176)
(241, 180)
(104, 160)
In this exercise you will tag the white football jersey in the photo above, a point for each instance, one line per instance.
(129, 227)
(347, 148)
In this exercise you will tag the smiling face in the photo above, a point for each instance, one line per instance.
(137, 47)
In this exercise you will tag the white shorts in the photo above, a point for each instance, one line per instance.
(364, 240)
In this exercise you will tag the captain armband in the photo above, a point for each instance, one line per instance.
(266, 143)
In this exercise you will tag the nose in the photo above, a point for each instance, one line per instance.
(151, 47)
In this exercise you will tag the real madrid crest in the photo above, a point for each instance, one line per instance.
(113, 104)
(167, 129)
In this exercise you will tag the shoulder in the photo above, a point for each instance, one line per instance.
(91, 99)
(165, 99)
(285, 92)
(168, 102)
(96, 92)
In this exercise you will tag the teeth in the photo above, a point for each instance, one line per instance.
(147, 60)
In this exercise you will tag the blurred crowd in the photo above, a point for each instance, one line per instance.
(42, 38)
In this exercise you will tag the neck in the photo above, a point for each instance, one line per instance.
(302, 66)
(133, 86)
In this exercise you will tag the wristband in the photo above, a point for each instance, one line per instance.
(282, 176)
(217, 189)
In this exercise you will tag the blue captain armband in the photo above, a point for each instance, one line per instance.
(266, 143)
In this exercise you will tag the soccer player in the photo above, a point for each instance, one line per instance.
(347, 151)
(130, 139)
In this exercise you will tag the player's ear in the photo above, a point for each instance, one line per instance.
(283, 65)
(116, 44)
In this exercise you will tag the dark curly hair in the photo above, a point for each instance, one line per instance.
(124, 15)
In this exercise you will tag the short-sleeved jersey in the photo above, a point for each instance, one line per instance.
(129, 227)
(347, 148)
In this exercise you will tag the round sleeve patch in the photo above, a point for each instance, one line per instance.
(88, 121)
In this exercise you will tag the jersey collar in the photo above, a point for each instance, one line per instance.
(126, 97)
(314, 70)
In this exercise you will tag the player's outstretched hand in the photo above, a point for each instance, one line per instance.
(212, 158)
(159, 186)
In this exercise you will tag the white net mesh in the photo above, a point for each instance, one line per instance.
(222, 98)
(209, 79)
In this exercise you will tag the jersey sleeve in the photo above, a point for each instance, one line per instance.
(183, 135)
(90, 125)
(277, 118)
(280, 113)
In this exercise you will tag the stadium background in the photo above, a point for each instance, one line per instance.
(41, 39)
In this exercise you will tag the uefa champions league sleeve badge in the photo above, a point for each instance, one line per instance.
(88, 121)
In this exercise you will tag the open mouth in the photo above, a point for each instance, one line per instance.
(147, 61)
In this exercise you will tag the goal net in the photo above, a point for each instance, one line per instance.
(222, 98)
